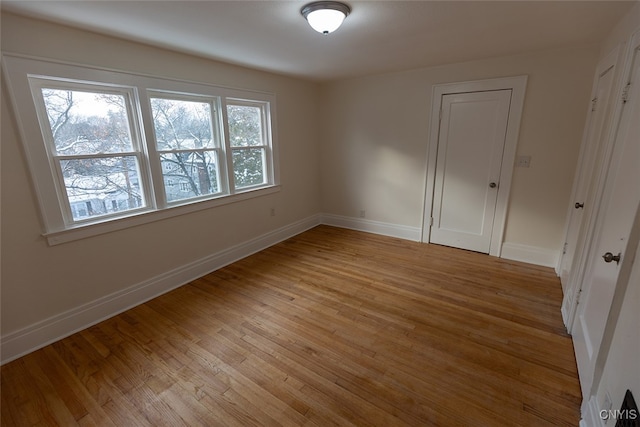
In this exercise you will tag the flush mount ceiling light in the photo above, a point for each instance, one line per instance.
(325, 16)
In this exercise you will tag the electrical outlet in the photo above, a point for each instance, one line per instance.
(363, 213)
(523, 161)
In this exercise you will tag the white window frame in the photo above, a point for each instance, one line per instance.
(138, 146)
(266, 146)
(218, 148)
(24, 75)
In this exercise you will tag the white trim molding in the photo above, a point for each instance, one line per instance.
(530, 254)
(591, 415)
(45, 332)
(376, 227)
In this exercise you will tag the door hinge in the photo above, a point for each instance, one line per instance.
(578, 296)
(564, 248)
(594, 101)
(625, 92)
(430, 221)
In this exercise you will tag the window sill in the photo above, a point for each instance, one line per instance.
(94, 229)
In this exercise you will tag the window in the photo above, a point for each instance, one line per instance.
(95, 152)
(109, 149)
(188, 147)
(249, 143)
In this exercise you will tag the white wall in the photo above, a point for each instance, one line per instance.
(374, 144)
(42, 283)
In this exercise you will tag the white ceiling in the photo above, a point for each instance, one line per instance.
(378, 36)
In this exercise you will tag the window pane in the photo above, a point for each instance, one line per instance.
(248, 167)
(245, 125)
(189, 174)
(100, 186)
(182, 125)
(87, 122)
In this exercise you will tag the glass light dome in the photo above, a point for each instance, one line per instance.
(325, 16)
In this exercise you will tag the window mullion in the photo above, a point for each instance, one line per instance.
(96, 156)
(141, 140)
(154, 168)
(227, 151)
(187, 150)
(249, 147)
(218, 130)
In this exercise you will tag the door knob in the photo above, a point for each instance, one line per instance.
(579, 205)
(608, 257)
(493, 185)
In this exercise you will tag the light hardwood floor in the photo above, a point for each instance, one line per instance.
(331, 327)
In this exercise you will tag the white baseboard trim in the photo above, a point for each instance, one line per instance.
(45, 332)
(40, 334)
(376, 227)
(530, 254)
(591, 416)
(565, 310)
(512, 251)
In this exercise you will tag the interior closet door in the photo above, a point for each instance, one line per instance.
(591, 156)
(588, 186)
(470, 162)
(473, 127)
(621, 198)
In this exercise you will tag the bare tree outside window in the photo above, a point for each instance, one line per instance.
(111, 149)
(93, 146)
(248, 144)
(188, 152)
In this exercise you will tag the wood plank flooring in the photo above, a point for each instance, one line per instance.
(330, 328)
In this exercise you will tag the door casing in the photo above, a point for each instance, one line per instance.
(517, 85)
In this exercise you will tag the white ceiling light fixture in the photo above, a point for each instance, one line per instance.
(325, 16)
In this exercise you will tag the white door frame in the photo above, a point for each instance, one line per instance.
(517, 85)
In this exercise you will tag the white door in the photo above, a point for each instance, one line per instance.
(471, 142)
(584, 196)
(615, 217)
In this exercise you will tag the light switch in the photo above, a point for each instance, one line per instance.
(523, 161)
